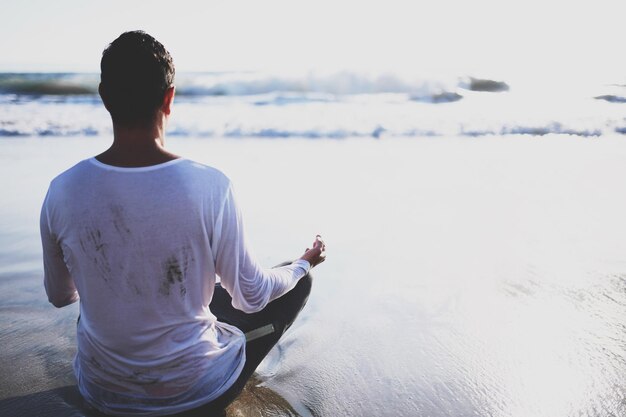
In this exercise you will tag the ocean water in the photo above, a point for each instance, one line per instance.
(470, 272)
(333, 105)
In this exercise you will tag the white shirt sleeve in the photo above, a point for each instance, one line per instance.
(59, 284)
(250, 286)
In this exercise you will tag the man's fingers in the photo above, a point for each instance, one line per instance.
(317, 253)
(322, 258)
(319, 242)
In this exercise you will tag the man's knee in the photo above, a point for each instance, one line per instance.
(286, 308)
(304, 286)
(302, 289)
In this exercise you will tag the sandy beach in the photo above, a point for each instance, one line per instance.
(465, 276)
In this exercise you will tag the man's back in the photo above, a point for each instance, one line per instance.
(138, 245)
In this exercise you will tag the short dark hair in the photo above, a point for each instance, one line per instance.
(136, 70)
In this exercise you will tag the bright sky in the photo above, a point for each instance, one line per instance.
(528, 37)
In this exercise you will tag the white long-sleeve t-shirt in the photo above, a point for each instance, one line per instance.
(141, 248)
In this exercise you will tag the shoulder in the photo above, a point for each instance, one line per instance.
(204, 169)
(206, 174)
(62, 185)
(70, 174)
(208, 183)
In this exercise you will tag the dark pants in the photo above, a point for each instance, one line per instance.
(279, 315)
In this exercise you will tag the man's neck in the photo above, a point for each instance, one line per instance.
(136, 147)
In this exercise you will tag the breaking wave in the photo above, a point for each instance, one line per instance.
(57, 84)
(273, 132)
(333, 106)
(251, 83)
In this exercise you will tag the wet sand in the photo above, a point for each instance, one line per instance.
(255, 401)
(466, 277)
(38, 346)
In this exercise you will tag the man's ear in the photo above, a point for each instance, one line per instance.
(103, 97)
(168, 100)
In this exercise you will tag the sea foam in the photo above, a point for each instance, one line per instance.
(338, 105)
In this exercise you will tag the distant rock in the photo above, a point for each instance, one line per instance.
(611, 98)
(378, 132)
(485, 85)
(444, 97)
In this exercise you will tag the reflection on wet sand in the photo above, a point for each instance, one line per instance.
(255, 401)
(37, 377)
(483, 277)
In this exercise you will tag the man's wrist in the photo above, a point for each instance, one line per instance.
(303, 263)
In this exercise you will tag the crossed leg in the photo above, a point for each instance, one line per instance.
(263, 330)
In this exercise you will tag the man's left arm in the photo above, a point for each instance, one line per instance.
(58, 282)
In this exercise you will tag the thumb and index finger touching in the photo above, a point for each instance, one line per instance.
(317, 254)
